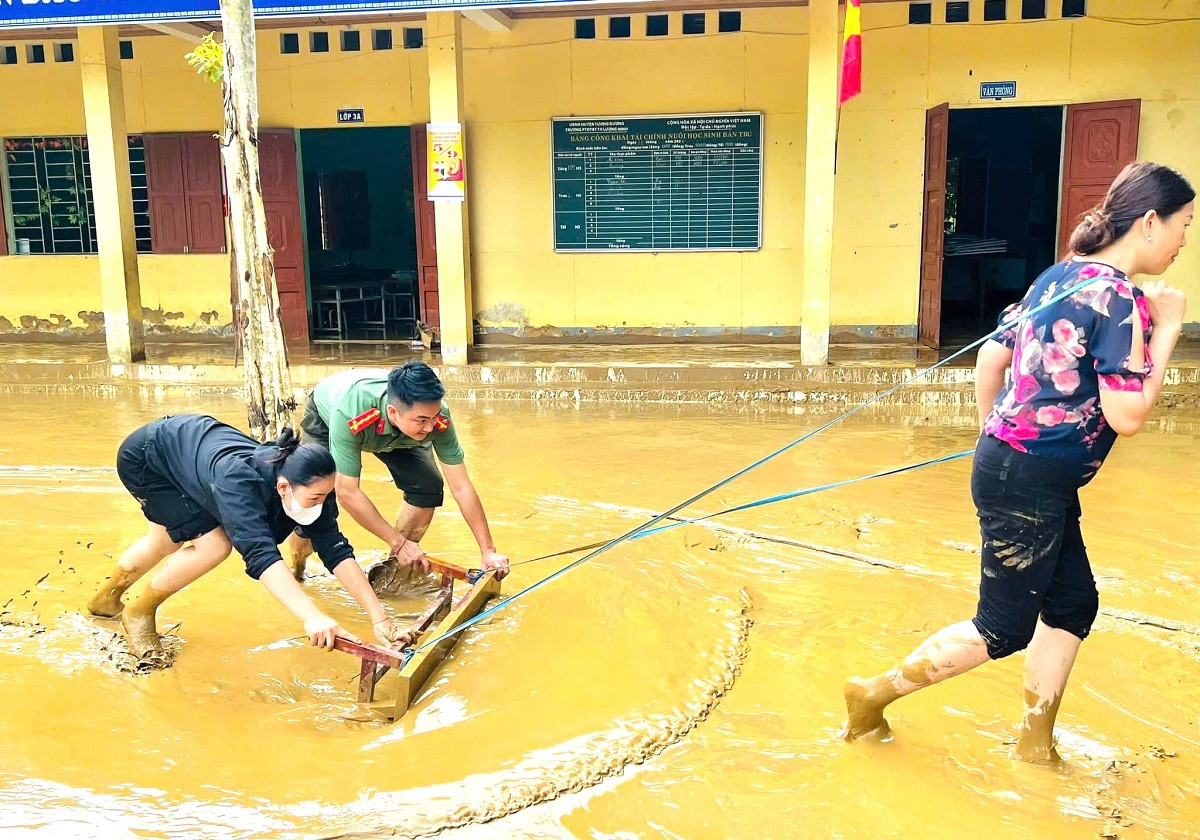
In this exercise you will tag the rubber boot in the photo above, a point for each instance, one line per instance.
(138, 622)
(296, 551)
(1036, 741)
(865, 701)
(106, 603)
(296, 565)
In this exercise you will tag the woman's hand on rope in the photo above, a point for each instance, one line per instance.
(392, 635)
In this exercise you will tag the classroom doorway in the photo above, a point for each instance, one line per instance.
(1004, 188)
(1001, 221)
(361, 235)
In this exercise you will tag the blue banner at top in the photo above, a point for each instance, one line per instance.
(15, 13)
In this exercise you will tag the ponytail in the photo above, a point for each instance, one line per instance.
(300, 463)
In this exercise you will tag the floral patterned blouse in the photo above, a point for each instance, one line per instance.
(1063, 357)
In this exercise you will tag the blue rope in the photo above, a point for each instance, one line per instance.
(807, 491)
(655, 520)
(476, 573)
(747, 506)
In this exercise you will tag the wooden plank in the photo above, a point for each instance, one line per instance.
(438, 609)
(369, 652)
(378, 660)
(421, 665)
(368, 676)
(451, 570)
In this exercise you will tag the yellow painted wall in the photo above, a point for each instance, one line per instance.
(517, 81)
(188, 293)
(908, 69)
(162, 93)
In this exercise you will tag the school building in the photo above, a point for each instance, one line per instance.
(639, 171)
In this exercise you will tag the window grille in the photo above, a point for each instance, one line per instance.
(50, 194)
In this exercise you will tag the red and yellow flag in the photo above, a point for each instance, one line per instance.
(851, 53)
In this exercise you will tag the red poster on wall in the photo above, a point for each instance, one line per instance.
(447, 162)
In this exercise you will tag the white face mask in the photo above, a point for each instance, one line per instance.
(300, 514)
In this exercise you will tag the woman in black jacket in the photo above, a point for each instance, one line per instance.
(206, 484)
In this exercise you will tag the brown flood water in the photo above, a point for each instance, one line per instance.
(687, 685)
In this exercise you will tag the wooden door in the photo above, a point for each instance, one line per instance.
(165, 190)
(281, 200)
(202, 184)
(933, 225)
(427, 273)
(1102, 138)
(184, 186)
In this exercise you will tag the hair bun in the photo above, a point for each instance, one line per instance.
(1139, 189)
(287, 441)
(1094, 231)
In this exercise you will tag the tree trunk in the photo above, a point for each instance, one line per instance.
(269, 395)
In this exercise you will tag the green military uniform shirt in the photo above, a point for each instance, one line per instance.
(353, 405)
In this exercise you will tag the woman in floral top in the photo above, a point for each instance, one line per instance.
(1052, 404)
(1081, 371)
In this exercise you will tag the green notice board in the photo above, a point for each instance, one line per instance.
(673, 183)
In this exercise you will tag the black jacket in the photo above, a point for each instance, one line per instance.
(225, 471)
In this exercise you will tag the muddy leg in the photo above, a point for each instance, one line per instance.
(1048, 663)
(138, 559)
(138, 619)
(138, 622)
(296, 551)
(952, 650)
(389, 577)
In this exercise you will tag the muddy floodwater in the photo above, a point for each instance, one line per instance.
(687, 685)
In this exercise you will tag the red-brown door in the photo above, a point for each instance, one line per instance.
(183, 178)
(202, 183)
(281, 200)
(1102, 137)
(933, 225)
(427, 273)
(168, 204)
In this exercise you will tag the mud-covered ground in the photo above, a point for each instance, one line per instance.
(687, 685)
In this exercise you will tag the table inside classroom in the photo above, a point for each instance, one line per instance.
(683, 183)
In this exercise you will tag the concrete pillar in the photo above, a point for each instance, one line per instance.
(108, 150)
(443, 41)
(823, 64)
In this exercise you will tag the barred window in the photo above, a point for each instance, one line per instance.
(50, 194)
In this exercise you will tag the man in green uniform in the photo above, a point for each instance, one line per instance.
(402, 419)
